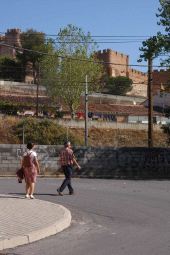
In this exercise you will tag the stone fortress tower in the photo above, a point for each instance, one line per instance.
(117, 64)
(12, 37)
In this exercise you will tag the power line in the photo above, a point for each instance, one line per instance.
(74, 59)
(76, 42)
(95, 36)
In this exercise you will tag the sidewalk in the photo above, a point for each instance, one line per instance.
(23, 221)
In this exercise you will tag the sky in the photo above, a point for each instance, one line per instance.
(99, 17)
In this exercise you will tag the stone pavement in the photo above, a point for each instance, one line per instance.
(23, 221)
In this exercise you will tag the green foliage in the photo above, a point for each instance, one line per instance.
(166, 129)
(7, 134)
(9, 108)
(42, 132)
(64, 76)
(159, 44)
(167, 111)
(10, 69)
(33, 41)
(164, 14)
(119, 85)
(164, 21)
(59, 115)
(34, 44)
(150, 49)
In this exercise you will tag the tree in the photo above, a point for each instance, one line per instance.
(164, 14)
(166, 130)
(150, 48)
(10, 69)
(64, 76)
(159, 44)
(34, 44)
(119, 85)
(164, 21)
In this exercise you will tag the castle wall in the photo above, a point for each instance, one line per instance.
(138, 89)
(12, 37)
(139, 83)
(159, 78)
(116, 63)
(137, 76)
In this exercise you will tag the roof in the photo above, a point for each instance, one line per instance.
(117, 109)
(133, 110)
(118, 97)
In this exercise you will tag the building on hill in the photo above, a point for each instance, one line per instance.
(11, 37)
(160, 79)
(117, 64)
(161, 100)
(161, 97)
(100, 98)
(120, 109)
(122, 113)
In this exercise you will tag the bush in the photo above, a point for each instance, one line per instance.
(7, 133)
(43, 132)
(119, 85)
(166, 129)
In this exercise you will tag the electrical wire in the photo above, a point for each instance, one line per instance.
(74, 59)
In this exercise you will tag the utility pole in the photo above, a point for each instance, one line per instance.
(23, 135)
(86, 113)
(37, 94)
(150, 104)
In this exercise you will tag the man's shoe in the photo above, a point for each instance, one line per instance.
(71, 193)
(59, 192)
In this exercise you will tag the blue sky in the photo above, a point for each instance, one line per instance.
(100, 18)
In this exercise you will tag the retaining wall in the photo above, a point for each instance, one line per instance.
(131, 163)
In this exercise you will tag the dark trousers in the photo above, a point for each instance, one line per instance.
(67, 181)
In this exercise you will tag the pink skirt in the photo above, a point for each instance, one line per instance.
(30, 174)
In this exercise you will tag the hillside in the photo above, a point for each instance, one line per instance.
(11, 132)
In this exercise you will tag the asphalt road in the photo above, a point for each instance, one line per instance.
(110, 217)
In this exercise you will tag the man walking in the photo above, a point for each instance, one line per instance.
(67, 160)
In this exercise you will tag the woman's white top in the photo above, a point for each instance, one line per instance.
(33, 153)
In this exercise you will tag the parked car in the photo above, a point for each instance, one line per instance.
(29, 113)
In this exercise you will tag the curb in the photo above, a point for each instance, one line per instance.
(36, 235)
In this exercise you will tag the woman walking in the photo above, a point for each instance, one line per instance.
(31, 169)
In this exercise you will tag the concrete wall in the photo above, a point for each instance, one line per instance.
(131, 163)
(107, 124)
(19, 88)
